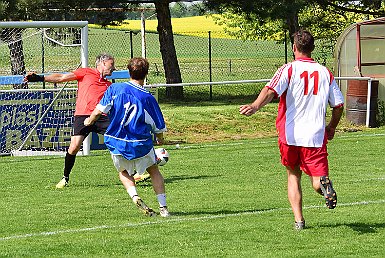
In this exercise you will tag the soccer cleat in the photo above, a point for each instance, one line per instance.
(299, 225)
(143, 207)
(328, 192)
(62, 183)
(140, 178)
(163, 211)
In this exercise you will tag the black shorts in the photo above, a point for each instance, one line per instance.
(100, 126)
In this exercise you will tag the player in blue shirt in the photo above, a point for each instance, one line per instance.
(135, 117)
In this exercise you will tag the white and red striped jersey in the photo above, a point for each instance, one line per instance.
(305, 89)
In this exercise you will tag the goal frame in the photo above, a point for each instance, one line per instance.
(83, 25)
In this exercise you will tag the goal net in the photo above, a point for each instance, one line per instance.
(36, 118)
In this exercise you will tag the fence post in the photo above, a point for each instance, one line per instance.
(131, 47)
(285, 46)
(369, 95)
(42, 56)
(210, 67)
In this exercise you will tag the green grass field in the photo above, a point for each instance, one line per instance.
(226, 188)
(228, 199)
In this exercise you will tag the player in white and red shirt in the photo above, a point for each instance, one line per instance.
(305, 89)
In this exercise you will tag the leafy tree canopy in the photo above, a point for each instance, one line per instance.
(267, 19)
(323, 23)
(95, 11)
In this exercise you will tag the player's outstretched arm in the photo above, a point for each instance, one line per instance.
(55, 77)
(264, 97)
(60, 77)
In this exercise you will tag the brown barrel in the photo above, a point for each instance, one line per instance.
(356, 102)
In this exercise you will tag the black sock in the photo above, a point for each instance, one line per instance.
(68, 164)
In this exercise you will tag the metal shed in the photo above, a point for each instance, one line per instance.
(360, 51)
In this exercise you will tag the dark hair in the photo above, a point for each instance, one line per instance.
(304, 41)
(138, 68)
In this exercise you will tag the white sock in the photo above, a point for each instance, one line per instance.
(132, 191)
(161, 199)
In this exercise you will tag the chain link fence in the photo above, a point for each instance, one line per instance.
(202, 58)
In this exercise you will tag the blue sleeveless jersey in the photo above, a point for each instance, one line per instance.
(134, 117)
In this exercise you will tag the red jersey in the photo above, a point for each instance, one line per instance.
(91, 87)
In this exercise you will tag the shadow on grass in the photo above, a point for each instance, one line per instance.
(221, 212)
(361, 228)
(145, 183)
(172, 179)
(364, 228)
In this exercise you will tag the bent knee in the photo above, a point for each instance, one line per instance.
(154, 169)
(73, 149)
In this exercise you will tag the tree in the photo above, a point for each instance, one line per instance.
(287, 13)
(197, 9)
(179, 10)
(323, 23)
(167, 49)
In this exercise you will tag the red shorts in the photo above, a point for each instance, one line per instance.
(311, 160)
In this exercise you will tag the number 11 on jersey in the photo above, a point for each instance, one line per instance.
(305, 76)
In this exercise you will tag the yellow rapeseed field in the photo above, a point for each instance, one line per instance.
(192, 26)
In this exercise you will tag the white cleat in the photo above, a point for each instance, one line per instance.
(164, 212)
(62, 183)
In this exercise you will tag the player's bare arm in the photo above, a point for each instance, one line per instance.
(265, 96)
(334, 120)
(54, 78)
(93, 117)
(60, 77)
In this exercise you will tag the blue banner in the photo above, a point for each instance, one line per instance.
(20, 111)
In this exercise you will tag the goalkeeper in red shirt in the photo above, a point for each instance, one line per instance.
(91, 86)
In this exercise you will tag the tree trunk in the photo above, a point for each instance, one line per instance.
(167, 49)
(15, 44)
(292, 23)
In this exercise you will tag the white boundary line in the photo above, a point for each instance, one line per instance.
(176, 220)
(361, 135)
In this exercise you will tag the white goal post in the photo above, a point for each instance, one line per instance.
(36, 119)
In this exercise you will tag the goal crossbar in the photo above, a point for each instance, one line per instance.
(43, 24)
